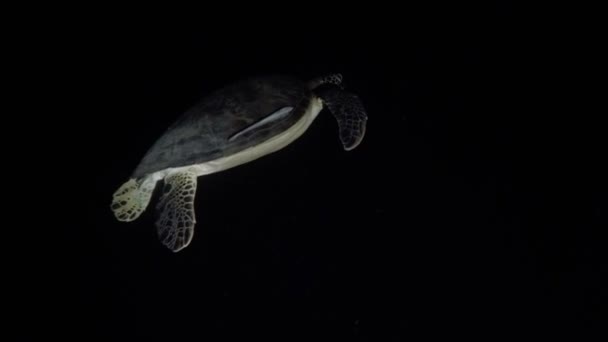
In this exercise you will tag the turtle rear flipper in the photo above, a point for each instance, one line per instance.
(175, 223)
(132, 198)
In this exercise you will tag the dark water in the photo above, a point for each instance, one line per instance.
(464, 212)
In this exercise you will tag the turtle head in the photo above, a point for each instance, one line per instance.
(335, 79)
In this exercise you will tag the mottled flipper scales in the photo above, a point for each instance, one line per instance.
(176, 220)
(350, 113)
(132, 198)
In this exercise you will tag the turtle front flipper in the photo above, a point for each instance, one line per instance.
(348, 110)
(175, 223)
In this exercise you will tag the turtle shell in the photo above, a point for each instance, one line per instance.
(203, 132)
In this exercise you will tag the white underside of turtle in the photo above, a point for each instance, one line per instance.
(269, 146)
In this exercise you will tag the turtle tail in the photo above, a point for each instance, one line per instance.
(132, 198)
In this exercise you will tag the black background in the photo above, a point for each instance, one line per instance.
(472, 207)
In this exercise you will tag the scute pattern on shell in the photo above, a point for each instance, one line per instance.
(201, 134)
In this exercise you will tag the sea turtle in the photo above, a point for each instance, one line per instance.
(234, 125)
